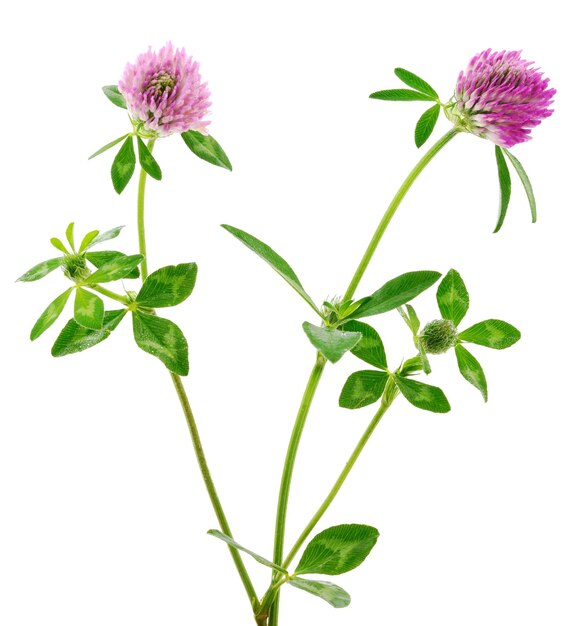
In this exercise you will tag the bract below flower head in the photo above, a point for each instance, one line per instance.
(500, 97)
(164, 93)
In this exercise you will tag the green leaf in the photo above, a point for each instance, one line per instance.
(163, 339)
(112, 266)
(168, 286)
(525, 182)
(69, 235)
(105, 236)
(123, 165)
(40, 270)
(101, 258)
(415, 82)
(338, 549)
(471, 370)
(362, 388)
(108, 146)
(423, 396)
(426, 125)
(331, 342)
(423, 357)
(411, 366)
(274, 260)
(333, 594)
(413, 321)
(114, 95)
(50, 314)
(400, 95)
(495, 334)
(207, 148)
(88, 309)
(87, 240)
(505, 186)
(75, 338)
(370, 348)
(231, 542)
(57, 244)
(397, 292)
(452, 297)
(349, 307)
(147, 160)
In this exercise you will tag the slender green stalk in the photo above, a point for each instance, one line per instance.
(110, 294)
(288, 467)
(141, 215)
(189, 415)
(300, 421)
(392, 208)
(338, 484)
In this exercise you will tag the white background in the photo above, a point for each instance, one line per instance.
(482, 511)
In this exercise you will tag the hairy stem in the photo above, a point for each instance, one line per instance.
(356, 279)
(189, 415)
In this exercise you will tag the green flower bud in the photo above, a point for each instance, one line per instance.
(438, 336)
(75, 268)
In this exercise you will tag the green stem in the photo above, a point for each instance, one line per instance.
(110, 294)
(301, 419)
(338, 484)
(141, 215)
(290, 458)
(392, 208)
(189, 415)
(212, 493)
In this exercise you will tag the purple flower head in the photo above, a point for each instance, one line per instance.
(500, 97)
(164, 93)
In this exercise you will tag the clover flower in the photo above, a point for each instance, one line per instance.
(500, 97)
(164, 93)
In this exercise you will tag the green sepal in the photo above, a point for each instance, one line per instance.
(147, 160)
(231, 542)
(113, 94)
(495, 334)
(278, 263)
(338, 549)
(452, 297)
(370, 348)
(50, 314)
(75, 338)
(105, 236)
(108, 146)
(396, 292)
(163, 339)
(40, 270)
(401, 95)
(505, 186)
(87, 240)
(415, 82)
(362, 388)
(101, 258)
(207, 148)
(423, 396)
(425, 125)
(471, 370)
(57, 243)
(168, 286)
(123, 165)
(331, 342)
(88, 309)
(333, 594)
(112, 266)
(525, 182)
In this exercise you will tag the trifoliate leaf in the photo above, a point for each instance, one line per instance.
(168, 286)
(362, 388)
(75, 338)
(370, 348)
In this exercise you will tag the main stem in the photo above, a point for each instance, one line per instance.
(302, 414)
(189, 415)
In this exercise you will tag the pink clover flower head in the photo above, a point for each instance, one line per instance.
(164, 93)
(500, 97)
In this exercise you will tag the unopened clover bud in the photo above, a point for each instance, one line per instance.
(75, 268)
(438, 336)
